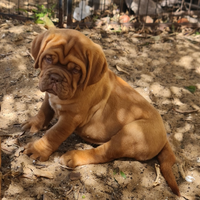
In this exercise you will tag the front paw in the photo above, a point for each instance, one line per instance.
(38, 150)
(34, 125)
(77, 157)
(69, 159)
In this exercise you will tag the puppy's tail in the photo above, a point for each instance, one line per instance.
(166, 159)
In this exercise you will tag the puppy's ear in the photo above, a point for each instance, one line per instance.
(96, 67)
(36, 46)
(39, 44)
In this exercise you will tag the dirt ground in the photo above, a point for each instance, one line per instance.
(159, 67)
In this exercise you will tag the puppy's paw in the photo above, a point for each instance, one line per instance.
(38, 150)
(33, 125)
(69, 159)
(77, 157)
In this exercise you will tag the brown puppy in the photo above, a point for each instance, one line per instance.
(93, 102)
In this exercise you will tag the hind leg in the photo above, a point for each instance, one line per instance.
(133, 140)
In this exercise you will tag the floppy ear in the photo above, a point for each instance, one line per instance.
(36, 46)
(96, 67)
(39, 44)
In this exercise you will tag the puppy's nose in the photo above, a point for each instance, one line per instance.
(55, 78)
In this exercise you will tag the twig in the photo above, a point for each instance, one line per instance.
(70, 190)
(78, 193)
(30, 54)
(121, 70)
(185, 112)
(157, 181)
(63, 166)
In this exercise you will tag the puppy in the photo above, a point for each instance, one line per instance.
(93, 102)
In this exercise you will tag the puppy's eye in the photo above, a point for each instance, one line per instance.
(76, 71)
(49, 59)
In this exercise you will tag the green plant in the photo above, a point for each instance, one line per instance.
(95, 17)
(41, 11)
(173, 28)
(191, 88)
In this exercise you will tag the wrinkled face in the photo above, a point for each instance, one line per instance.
(68, 61)
(58, 79)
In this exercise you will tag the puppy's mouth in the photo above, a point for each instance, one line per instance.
(53, 84)
(51, 91)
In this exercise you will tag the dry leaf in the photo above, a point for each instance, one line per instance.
(48, 23)
(29, 176)
(181, 170)
(74, 176)
(30, 171)
(11, 142)
(17, 152)
(121, 70)
(8, 150)
(42, 173)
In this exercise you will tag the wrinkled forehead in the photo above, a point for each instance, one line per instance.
(68, 37)
(66, 46)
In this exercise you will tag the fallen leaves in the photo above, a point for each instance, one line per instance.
(121, 70)
(8, 149)
(18, 151)
(124, 18)
(182, 20)
(31, 171)
(181, 167)
(74, 176)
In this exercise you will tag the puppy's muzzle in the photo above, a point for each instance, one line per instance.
(55, 78)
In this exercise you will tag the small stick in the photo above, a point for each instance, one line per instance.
(186, 111)
(30, 54)
(78, 193)
(157, 181)
(70, 190)
(63, 166)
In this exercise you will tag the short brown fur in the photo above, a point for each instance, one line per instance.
(93, 102)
